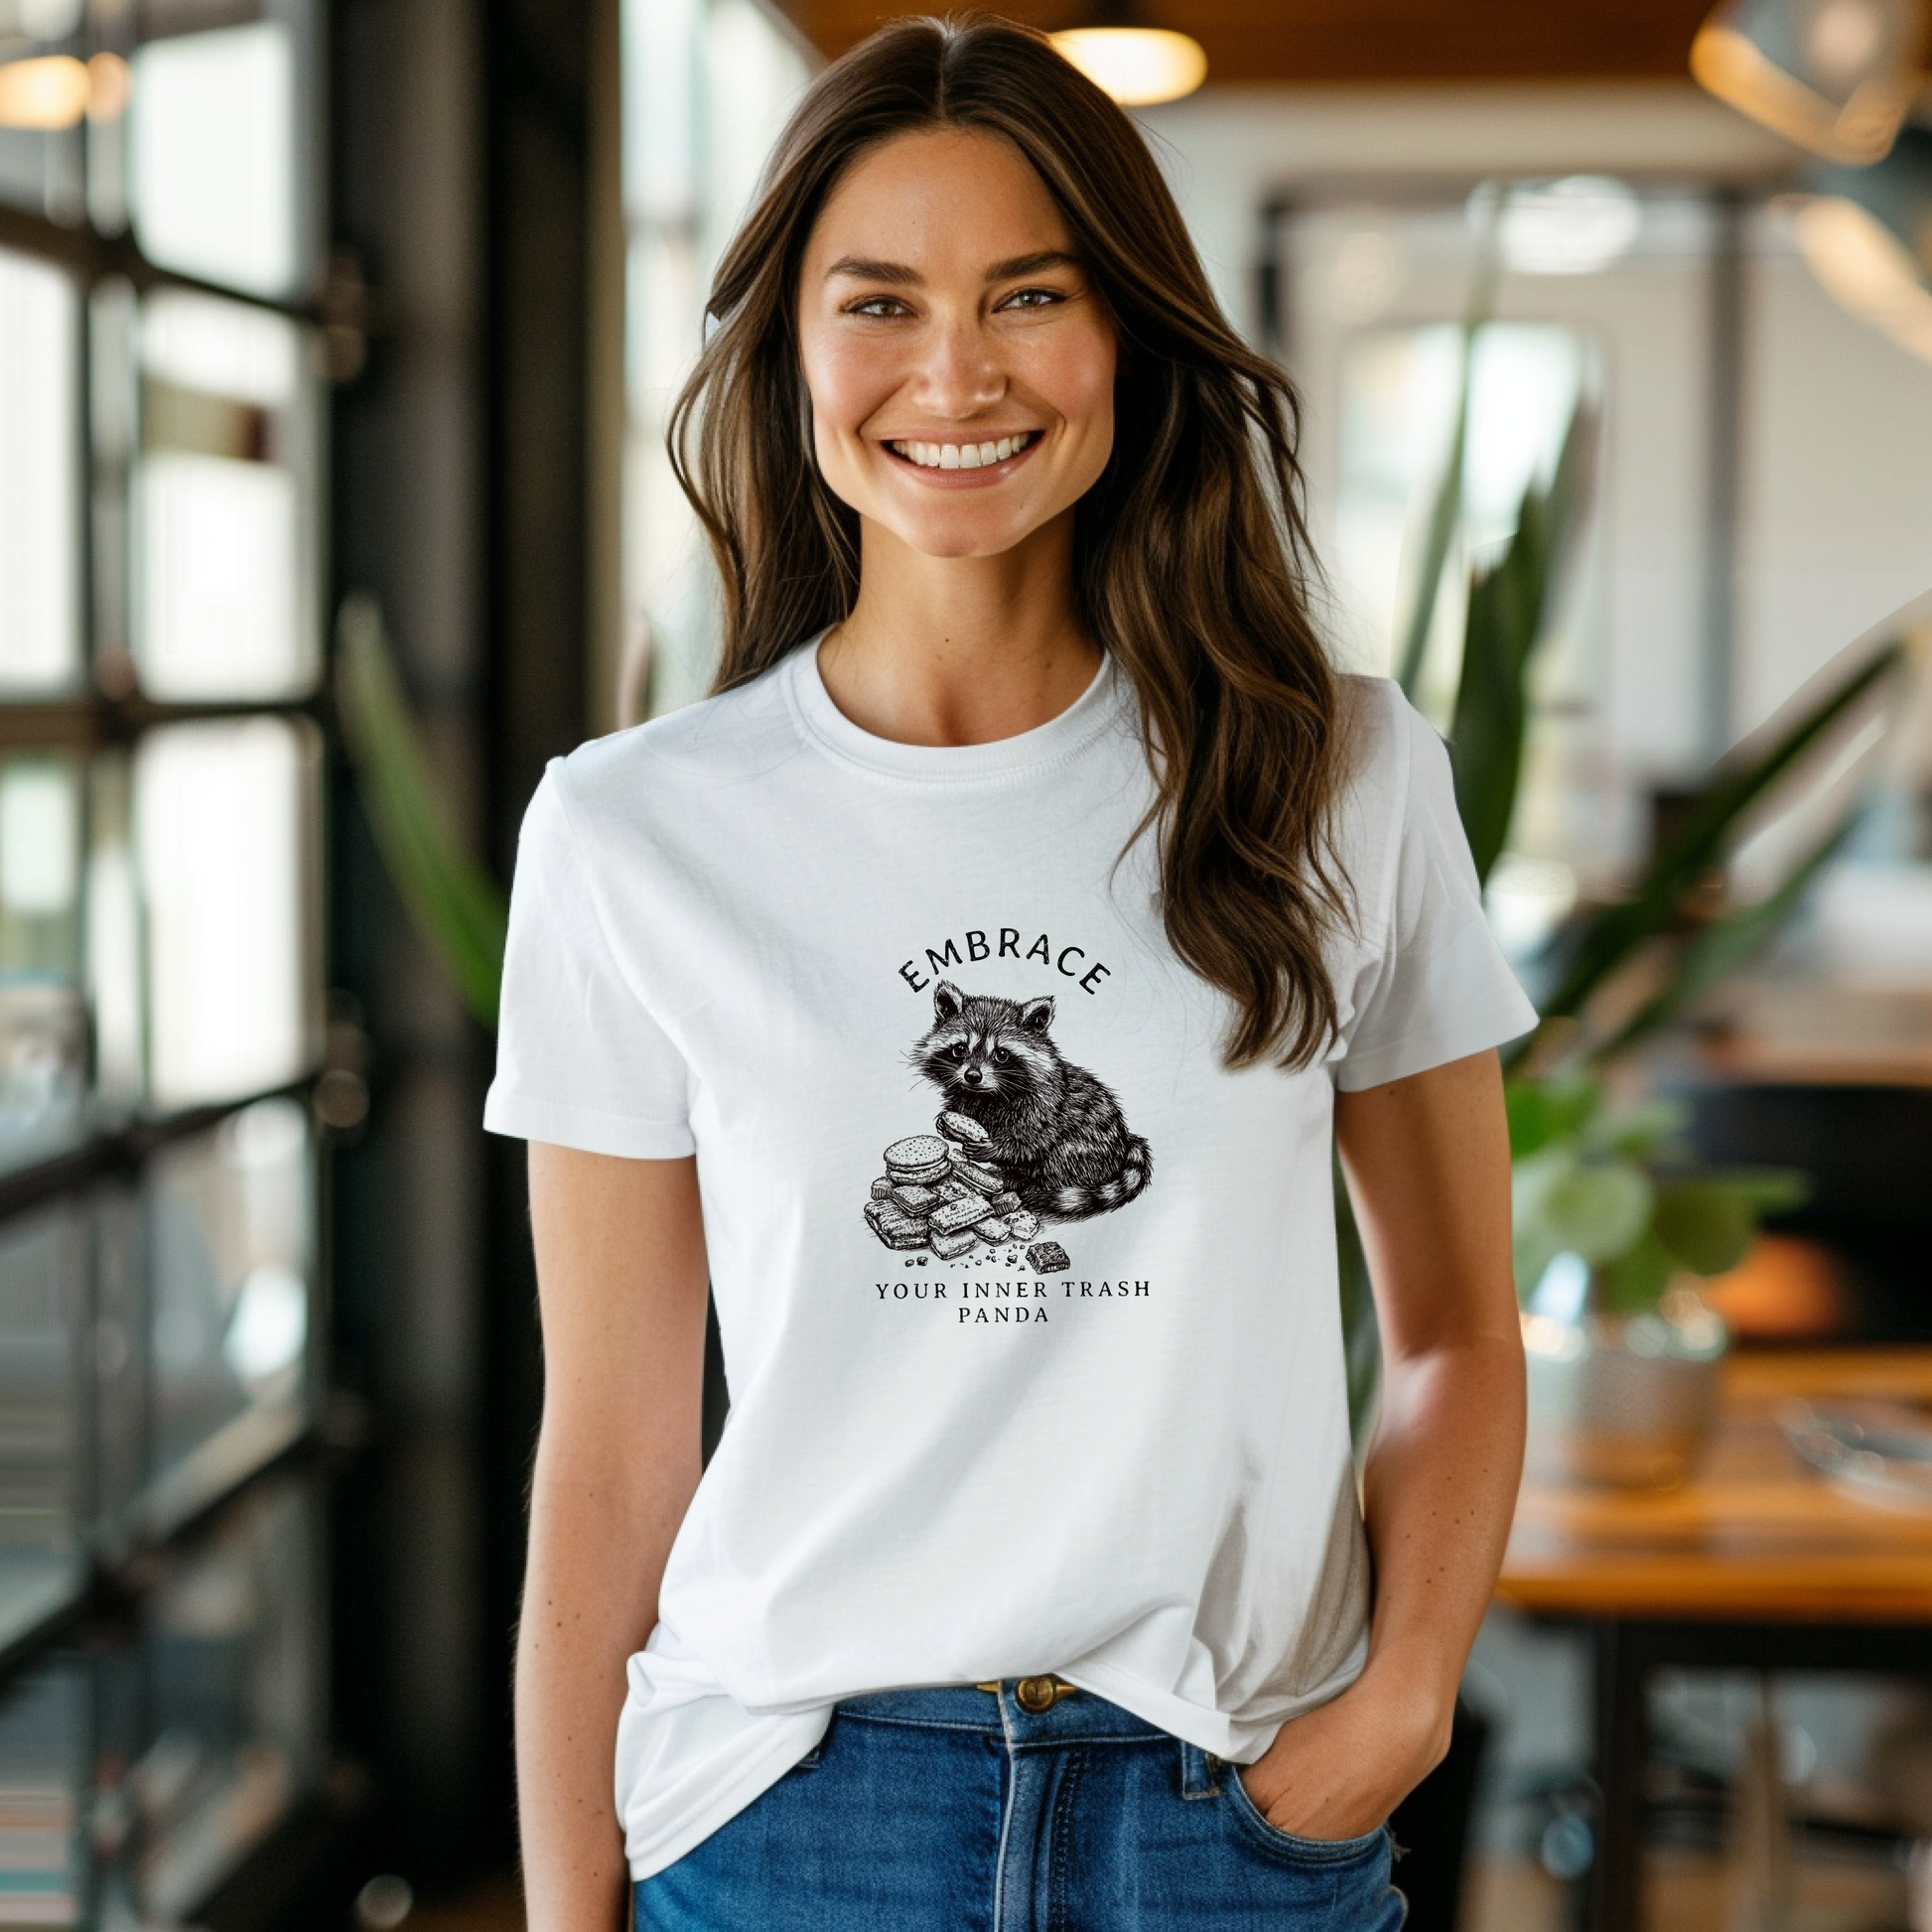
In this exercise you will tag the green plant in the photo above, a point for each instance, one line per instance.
(1621, 1191)
(1618, 1189)
(457, 907)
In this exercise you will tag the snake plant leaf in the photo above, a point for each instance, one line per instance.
(1606, 941)
(1445, 509)
(457, 907)
(1727, 945)
(1508, 619)
(1703, 1225)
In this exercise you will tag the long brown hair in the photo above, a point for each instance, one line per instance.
(1190, 551)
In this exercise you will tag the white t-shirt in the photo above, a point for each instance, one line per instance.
(1028, 1304)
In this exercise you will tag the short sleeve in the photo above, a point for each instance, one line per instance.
(579, 1059)
(1441, 988)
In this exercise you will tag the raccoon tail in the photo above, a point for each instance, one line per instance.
(1077, 1204)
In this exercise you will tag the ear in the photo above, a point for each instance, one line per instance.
(1038, 1015)
(947, 999)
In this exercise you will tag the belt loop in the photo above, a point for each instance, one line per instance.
(1200, 1771)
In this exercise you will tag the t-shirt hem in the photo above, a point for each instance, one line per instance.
(719, 1806)
(529, 1117)
(1211, 1730)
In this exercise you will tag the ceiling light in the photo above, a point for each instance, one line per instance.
(1867, 234)
(45, 94)
(1834, 76)
(1138, 66)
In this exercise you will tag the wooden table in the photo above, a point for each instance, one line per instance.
(1756, 1564)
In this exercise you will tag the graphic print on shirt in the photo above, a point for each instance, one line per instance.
(1025, 1137)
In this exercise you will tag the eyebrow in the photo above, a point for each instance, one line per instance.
(898, 275)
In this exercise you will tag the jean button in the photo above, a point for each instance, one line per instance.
(1042, 1692)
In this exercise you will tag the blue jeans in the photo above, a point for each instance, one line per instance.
(951, 1809)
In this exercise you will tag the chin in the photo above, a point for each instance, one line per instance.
(956, 537)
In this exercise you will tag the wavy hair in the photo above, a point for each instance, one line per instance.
(1190, 551)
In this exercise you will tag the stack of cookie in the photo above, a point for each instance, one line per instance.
(941, 1192)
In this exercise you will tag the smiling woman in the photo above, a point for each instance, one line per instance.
(1007, 520)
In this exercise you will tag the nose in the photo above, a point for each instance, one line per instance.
(971, 1077)
(961, 375)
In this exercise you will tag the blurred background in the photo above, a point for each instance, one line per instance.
(335, 350)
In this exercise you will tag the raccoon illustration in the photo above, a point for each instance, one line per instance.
(1058, 1133)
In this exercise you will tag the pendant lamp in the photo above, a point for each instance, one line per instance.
(1836, 76)
(1867, 234)
(1139, 65)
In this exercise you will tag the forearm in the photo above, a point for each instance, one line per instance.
(620, 1275)
(1439, 1490)
(597, 1556)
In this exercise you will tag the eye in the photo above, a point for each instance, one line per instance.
(957, 1050)
(881, 306)
(1033, 299)
(1001, 1056)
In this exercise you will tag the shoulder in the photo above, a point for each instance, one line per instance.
(1382, 738)
(667, 765)
(1391, 758)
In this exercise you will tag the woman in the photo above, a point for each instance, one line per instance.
(971, 988)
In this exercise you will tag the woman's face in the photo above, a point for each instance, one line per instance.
(961, 367)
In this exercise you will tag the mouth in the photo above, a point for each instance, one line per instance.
(984, 461)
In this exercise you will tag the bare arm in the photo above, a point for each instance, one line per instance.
(1428, 1165)
(621, 1280)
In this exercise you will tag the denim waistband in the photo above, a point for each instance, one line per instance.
(1078, 1714)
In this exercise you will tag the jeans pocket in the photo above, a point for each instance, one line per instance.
(1308, 1850)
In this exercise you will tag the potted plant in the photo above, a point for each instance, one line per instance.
(1614, 1223)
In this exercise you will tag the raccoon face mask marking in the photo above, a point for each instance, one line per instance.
(987, 1046)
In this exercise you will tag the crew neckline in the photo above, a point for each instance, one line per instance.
(1058, 738)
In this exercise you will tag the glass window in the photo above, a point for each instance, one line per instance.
(223, 504)
(708, 84)
(40, 492)
(44, 94)
(1604, 290)
(43, 1407)
(215, 169)
(161, 465)
(42, 1016)
(225, 818)
(230, 1260)
(1397, 402)
(120, 1362)
(113, 922)
(226, 1732)
(43, 1753)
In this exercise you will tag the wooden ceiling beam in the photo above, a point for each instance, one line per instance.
(1366, 41)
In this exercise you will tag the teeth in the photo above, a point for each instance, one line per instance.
(961, 455)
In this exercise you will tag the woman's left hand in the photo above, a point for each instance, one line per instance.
(1341, 1770)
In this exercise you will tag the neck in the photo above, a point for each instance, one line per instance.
(960, 650)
